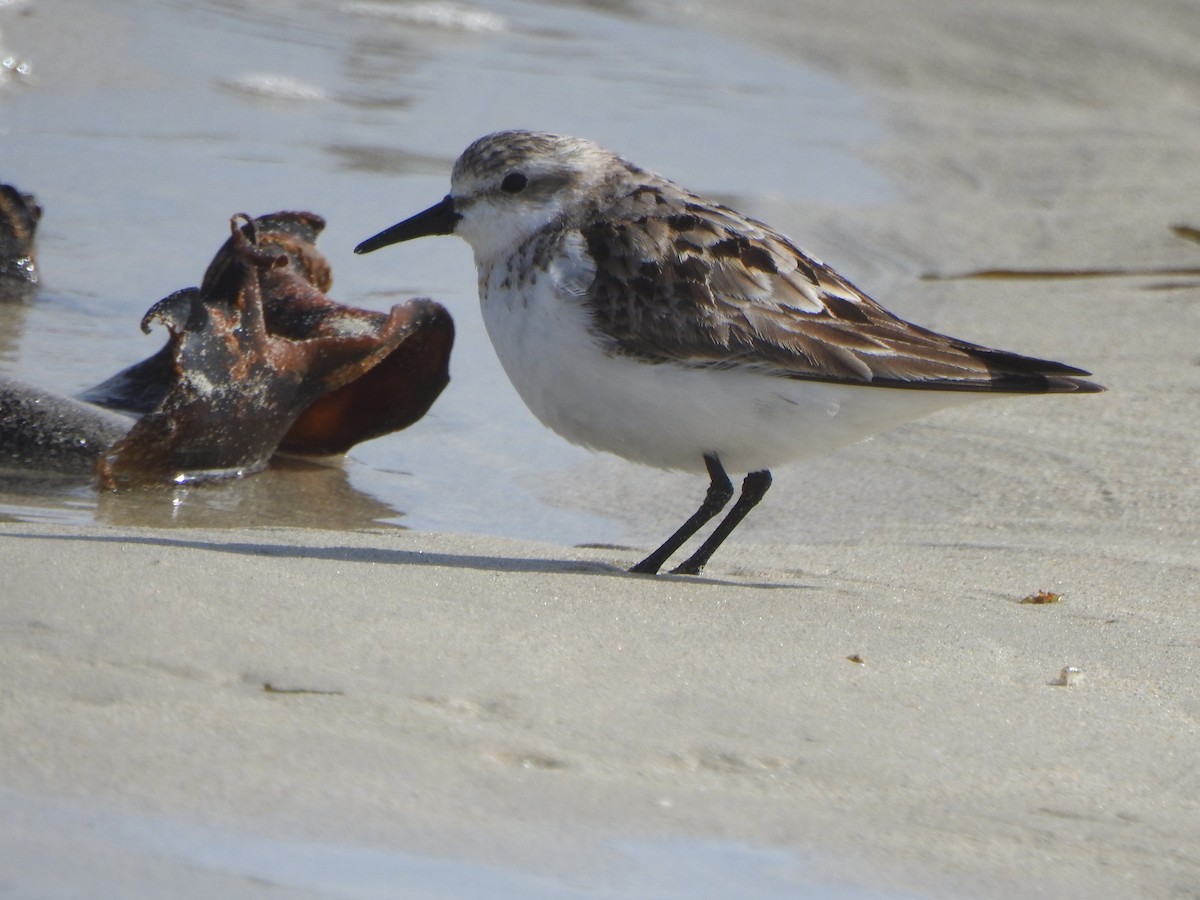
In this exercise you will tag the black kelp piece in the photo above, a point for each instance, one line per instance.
(45, 433)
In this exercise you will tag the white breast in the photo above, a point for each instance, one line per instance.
(668, 415)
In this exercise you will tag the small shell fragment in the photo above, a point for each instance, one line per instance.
(1070, 676)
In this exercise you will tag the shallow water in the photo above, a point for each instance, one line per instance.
(118, 853)
(144, 125)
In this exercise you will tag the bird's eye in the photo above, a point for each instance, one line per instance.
(514, 183)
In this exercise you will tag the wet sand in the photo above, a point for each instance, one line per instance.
(855, 679)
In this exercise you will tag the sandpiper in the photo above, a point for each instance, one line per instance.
(636, 317)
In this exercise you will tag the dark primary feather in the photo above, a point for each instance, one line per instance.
(685, 280)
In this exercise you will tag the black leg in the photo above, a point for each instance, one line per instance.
(753, 488)
(720, 489)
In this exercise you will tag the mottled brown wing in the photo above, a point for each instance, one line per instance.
(684, 280)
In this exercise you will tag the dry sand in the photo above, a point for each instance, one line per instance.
(510, 702)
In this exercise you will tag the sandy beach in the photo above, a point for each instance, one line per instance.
(854, 681)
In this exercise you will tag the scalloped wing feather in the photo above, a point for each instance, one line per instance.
(680, 279)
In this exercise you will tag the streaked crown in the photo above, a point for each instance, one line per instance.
(509, 185)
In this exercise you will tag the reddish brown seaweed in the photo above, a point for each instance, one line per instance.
(259, 358)
(390, 395)
(386, 398)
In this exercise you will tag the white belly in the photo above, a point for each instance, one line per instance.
(669, 415)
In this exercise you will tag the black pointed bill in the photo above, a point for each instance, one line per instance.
(438, 219)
